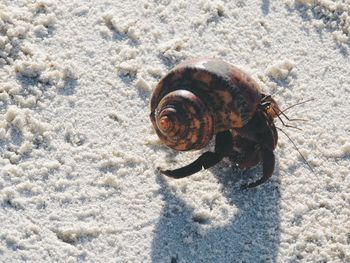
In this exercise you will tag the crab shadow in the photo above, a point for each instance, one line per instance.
(252, 235)
(265, 7)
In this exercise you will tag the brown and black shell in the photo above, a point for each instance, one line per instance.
(230, 94)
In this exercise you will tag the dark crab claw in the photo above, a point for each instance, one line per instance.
(268, 162)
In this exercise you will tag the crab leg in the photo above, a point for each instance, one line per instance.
(268, 162)
(206, 160)
(223, 145)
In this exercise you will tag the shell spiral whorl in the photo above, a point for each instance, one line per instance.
(182, 121)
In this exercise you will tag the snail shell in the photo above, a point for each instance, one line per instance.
(200, 98)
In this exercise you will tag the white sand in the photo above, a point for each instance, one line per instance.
(78, 156)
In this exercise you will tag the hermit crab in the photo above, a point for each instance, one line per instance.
(207, 97)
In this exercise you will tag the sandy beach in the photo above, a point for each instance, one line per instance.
(79, 156)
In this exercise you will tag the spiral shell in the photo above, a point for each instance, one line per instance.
(183, 121)
(200, 98)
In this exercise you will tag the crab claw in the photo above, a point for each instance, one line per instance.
(268, 162)
(206, 160)
(245, 153)
(223, 146)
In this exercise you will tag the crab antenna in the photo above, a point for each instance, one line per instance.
(296, 149)
(282, 113)
(296, 104)
(286, 125)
